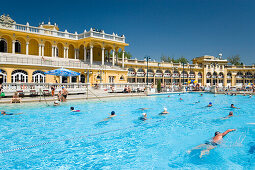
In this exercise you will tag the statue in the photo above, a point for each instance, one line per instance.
(6, 21)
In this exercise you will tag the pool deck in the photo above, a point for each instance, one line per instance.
(95, 95)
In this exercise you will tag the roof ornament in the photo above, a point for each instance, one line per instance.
(6, 21)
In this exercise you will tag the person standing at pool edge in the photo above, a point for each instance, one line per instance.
(209, 145)
(64, 94)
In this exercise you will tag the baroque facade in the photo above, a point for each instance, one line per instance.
(26, 52)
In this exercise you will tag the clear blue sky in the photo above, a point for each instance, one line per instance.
(188, 28)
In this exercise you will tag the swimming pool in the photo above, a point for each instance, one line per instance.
(60, 139)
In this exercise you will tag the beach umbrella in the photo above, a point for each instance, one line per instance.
(62, 72)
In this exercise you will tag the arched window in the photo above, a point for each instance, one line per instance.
(191, 74)
(229, 75)
(131, 72)
(38, 76)
(3, 75)
(208, 75)
(121, 77)
(19, 76)
(3, 45)
(17, 47)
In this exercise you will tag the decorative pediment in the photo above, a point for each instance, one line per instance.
(6, 21)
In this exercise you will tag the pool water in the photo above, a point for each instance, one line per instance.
(48, 137)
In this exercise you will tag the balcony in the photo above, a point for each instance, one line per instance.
(31, 60)
(54, 33)
(150, 74)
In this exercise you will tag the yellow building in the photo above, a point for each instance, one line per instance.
(26, 52)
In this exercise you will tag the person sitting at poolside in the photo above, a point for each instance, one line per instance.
(144, 117)
(60, 97)
(16, 98)
(232, 106)
(4, 113)
(229, 115)
(209, 145)
(72, 109)
(164, 112)
(210, 104)
(56, 103)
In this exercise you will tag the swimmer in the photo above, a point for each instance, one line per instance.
(201, 94)
(210, 104)
(4, 113)
(229, 115)
(196, 102)
(56, 103)
(164, 112)
(232, 106)
(209, 145)
(181, 99)
(72, 109)
(168, 96)
(143, 108)
(111, 116)
(250, 96)
(144, 117)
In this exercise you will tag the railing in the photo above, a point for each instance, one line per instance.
(158, 75)
(55, 33)
(8, 58)
(131, 74)
(140, 74)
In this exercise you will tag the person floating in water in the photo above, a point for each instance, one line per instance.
(232, 106)
(209, 145)
(210, 104)
(144, 117)
(56, 103)
(229, 115)
(164, 112)
(181, 99)
(72, 109)
(196, 102)
(143, 108)
(4, 113)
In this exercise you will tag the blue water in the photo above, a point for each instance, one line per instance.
(125, 142)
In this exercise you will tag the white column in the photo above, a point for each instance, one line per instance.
(52, 51)
(103, 56)
(55, 55)
(75, 53)
(40, 49)
(13, 46)
(67, 52)
(91, 55)
(123, 58)
(113, 57)
(27, 45)
(70, 79)
(85, 53)
(64, 52)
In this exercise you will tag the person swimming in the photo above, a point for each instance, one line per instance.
(144, 117)
(196, 102)
(209, 145)
(232, 106)
(72, 109)
(111, 116)
(143, 108)
(181, 99)
(210, 104)
(4, 113)
(229, 115)
(164, 112)
(250, 96)
(201, 94)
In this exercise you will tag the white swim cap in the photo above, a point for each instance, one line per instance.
(144, 114)
(165, 109)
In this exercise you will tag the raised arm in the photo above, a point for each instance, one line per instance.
(227, 131)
